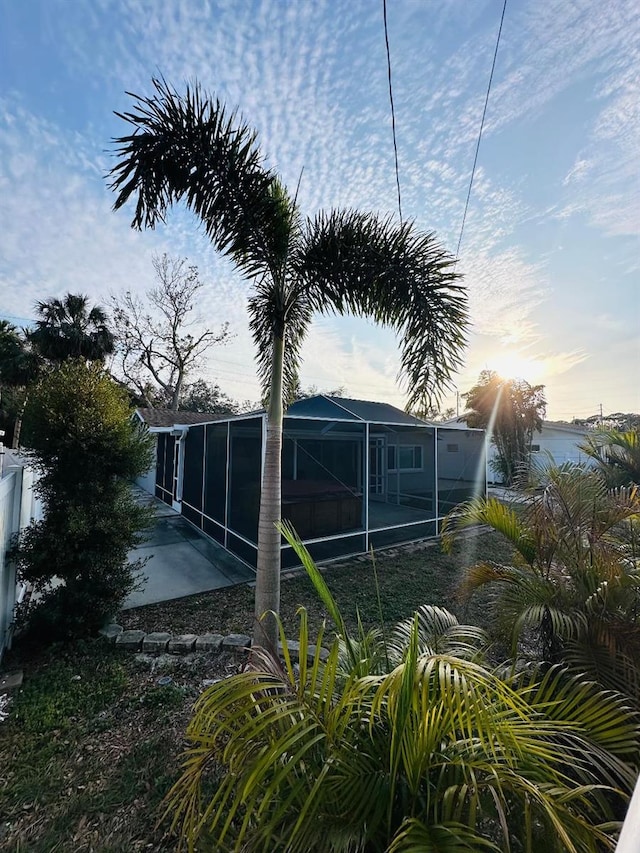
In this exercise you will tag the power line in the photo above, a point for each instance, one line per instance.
(393, 112)
(484, 112)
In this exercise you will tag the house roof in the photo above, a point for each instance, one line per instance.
(565, 427)
(321, 406)
(454, 423)
(168, 418)
(343, 408)
(460, 423)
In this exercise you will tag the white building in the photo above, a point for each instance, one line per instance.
(559, 442)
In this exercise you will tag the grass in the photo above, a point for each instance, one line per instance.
(91, 747)
(407, 578)
(93, 743)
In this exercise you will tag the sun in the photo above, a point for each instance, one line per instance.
(513, 365)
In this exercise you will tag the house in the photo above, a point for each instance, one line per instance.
(355, 475)
(557, 442)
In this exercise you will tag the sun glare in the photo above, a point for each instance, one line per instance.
(512, 365)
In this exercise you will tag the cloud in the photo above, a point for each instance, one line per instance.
(578, 171)
(311, 77)
(504, 291)
(58, 233)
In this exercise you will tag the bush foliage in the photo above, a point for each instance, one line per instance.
(402, 743)
(573, 579)
(82, 440)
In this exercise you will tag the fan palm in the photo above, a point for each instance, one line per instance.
(574, 576)
(67, 328)
(188, 148)
(436, 752)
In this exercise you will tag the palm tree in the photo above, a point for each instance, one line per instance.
(512, 409)
(19, 368)
(187, 148)
(68, 329)
(574, 577)
(416, 746)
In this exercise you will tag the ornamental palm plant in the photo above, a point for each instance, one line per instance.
(434, 752)
(187, 148)
(575, 573)
(616, 454)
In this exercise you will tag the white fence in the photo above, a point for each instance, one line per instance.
(18, 507)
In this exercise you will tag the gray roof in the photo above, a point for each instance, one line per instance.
(565, 427)
(342, 408)
(167, 418)
(320, 406)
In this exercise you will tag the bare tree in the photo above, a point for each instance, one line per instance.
(156, 349)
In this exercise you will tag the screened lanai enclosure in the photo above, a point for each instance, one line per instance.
(355, 475)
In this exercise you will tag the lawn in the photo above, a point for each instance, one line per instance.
(94, 737)
(407, 577)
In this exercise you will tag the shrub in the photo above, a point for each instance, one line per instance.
(573, 578)
(399, 745)
(82, 440)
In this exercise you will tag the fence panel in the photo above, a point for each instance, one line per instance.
(10, 500)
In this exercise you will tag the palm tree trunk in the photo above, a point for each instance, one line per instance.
(268, 568)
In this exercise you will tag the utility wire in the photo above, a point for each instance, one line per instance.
(393, 112)
(484, 112)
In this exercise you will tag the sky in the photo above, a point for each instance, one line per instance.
(550, 251)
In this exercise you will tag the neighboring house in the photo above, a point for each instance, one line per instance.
(355, 475)
(557, 441)
(561, 441)
(18, 508)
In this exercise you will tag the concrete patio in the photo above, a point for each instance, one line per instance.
(181, 560)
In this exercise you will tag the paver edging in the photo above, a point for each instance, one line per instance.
(182, 644)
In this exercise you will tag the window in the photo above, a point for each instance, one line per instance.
(535, 448)
(404, 457)
(452, 448)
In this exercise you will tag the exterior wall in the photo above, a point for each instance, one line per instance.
(148, 481)
(413, 481)
(561, 444)
(461, 463)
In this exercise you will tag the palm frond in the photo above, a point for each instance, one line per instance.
(19, 364)
(494, 513)
(189, 148)
(356, 263)
(438, 632)
(609, 665)
(319, 583)
(564, 624)
(415, 837)
(577, 702)
(284, 311)
(616, 454)
(68, 328)
(439, 754)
